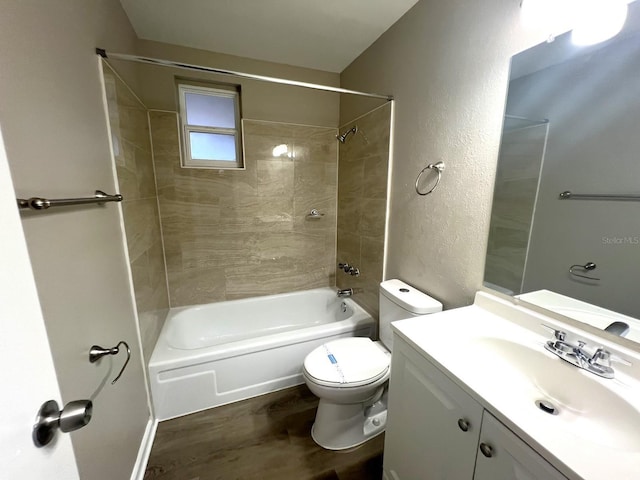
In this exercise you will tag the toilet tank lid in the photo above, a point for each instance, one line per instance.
(409, 298)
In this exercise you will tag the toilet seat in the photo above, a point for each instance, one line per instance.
(347, 362)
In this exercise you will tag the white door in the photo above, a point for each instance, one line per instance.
(27, 376)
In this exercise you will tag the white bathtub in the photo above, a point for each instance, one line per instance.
(210, 355)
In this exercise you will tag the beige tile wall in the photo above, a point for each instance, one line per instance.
(236, 234)
(514, 196)
(362, 204)
(134, 165)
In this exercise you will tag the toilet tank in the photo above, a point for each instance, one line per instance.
(399, 300)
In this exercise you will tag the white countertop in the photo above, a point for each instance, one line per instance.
(468, 344)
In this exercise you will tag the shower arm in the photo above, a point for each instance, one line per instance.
(343, 138)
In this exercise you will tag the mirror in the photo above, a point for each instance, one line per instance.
(571, 124)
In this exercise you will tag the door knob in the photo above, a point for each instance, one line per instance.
(50, 418)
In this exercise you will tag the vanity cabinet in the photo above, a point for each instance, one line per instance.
(435, 430)
(502, 455)
(433, 426)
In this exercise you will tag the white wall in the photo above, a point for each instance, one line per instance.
(56, 139)
(446, 64)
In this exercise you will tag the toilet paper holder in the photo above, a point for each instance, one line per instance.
(97, 352)
(75, 414)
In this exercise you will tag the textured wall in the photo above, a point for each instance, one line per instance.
(134, 166)
(362, 204)
(446, 64)
(236, 234)
(55, 131)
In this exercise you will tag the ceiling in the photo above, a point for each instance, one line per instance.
(322, 34)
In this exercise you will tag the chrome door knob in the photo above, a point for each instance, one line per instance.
(50, 419)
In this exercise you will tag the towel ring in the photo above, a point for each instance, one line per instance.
(438, 167)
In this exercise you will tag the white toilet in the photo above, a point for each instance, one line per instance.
(350, 375)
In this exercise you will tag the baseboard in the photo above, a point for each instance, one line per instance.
(145, 450)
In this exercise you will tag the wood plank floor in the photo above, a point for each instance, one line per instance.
(266, 437)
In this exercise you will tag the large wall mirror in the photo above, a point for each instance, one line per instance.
(572, 123)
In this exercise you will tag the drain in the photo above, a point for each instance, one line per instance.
(547, 407)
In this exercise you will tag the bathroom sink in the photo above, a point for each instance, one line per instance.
(584, 404)
(585, 425)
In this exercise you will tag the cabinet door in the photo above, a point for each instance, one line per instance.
(423, 440)
(503, 456)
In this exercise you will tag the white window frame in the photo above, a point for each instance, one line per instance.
(187, 160)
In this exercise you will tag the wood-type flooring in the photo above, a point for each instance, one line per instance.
(266, 437)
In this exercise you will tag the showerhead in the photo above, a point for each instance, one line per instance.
(342, 138)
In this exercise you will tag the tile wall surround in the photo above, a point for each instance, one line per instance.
(362, 204)
(514, 197)
(231, 234)
(134, 166)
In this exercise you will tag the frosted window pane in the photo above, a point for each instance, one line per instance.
(212, 146)
(210, 111)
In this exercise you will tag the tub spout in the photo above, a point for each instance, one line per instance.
(345, 292)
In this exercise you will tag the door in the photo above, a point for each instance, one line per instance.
(27, 375)
(433, 426)
(504, 456)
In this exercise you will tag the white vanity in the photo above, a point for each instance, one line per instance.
(464, 392)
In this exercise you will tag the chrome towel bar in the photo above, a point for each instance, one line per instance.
(597, 196)
(37, 203)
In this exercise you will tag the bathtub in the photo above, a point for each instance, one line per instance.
(211, 355)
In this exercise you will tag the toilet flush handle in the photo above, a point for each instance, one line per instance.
(97, 352)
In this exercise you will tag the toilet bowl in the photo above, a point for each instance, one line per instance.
(336, 373)
(350, 375)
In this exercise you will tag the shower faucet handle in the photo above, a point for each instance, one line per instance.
(353, 271)
(345, 267)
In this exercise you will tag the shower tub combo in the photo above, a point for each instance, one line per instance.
(210, 355)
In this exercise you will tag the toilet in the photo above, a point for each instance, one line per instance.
(349, 375)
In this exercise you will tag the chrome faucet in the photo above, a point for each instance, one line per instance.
(353, 271)
(345, 292)
(599, 363)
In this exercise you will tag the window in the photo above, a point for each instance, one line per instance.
(210, 119)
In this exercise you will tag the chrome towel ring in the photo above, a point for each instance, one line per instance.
(438, 167)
